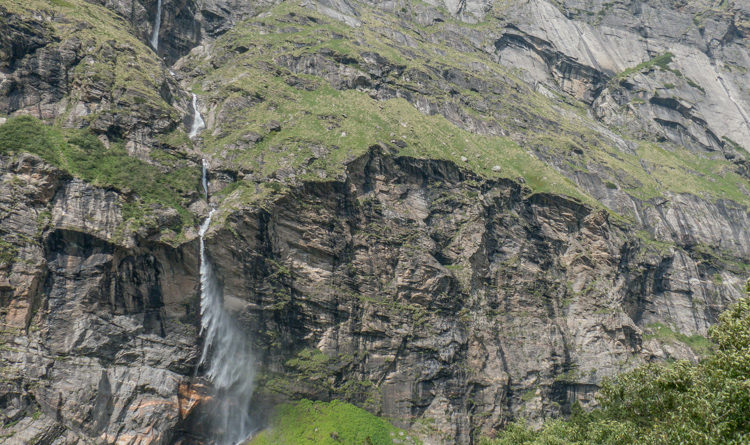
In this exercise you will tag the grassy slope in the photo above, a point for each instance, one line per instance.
(128, 75)
(360, 121)
(113, 56)
(319, 423)
(539, 127)
(82, 155)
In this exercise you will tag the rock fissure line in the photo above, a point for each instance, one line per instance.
(738, 106)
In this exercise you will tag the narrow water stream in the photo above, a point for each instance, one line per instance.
(226, 358)
(198, 123)
(204, 179)
(157, 27)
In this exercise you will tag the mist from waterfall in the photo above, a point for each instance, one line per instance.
(226, 359)
(157, 27)
(198, 123)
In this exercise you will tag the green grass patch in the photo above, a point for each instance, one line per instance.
(650, 243)
(678, 170)
(81, 154)
(309, 361)
(661, 61)
(320, 423)
(698, 343)
(8, 253)
(695, 85)
(656, 169)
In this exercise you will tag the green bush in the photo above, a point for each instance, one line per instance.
(29, 135)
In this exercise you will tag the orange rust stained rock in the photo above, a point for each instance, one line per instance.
(17, 313)
(190, 396)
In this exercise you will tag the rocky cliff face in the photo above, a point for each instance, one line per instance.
(452, 214)
(436, 295)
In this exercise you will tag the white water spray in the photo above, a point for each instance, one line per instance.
(157, 27)
(227, 357)
(198, 123)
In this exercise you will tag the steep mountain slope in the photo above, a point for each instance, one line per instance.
(451, 214)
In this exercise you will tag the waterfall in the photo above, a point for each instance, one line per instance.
(204, 180)
(157, 27)
(227, 359)
(198, 123)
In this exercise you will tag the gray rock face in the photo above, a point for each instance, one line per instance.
(459, 305)
(415, 288)
(433, 294)
(576, 47)
(607, 38)
(97, 337)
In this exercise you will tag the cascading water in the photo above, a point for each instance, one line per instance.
(198, 123)
(204, 179)
(157, 27)
(227, 358)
